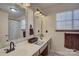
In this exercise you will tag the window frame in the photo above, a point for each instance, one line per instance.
(67, 30)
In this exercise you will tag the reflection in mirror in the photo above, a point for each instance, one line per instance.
(17, 23)
(12, 23)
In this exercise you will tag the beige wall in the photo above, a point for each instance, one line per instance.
(3, 28)
(47, 25)
(29, 20)
(50, 24)
(30, 17)
(37, 25)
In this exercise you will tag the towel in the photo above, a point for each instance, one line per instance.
(31, 31)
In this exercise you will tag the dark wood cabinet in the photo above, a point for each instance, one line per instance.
(72, 41)
(45, 52)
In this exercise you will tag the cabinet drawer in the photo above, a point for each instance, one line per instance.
(42, 49)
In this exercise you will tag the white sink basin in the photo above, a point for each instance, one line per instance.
(39, 42)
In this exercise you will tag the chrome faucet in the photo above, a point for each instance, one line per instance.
(12, 47)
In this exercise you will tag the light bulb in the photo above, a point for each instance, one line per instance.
(13, 10)
(40, 14)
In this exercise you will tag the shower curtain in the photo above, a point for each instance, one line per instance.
(14, 30)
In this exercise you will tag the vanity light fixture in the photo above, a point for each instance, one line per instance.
(13, 9)
(39, 13)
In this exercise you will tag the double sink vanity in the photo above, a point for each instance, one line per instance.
(17, 27)
(24, 48)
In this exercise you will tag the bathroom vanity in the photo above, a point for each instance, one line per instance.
(27, 49)
(15, 27)
(43, 50)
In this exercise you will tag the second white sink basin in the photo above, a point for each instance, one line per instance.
(39, 42)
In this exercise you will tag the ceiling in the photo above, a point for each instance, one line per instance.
(49, 8)
(12, 15)
(44, 7)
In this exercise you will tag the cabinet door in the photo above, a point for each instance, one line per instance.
(42, 49)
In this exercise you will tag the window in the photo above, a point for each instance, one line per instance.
(23, 24)
(67, 20)
(76, 19)
(64, 20)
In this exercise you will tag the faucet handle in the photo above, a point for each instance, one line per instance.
(7, 50)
